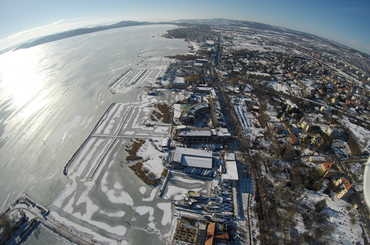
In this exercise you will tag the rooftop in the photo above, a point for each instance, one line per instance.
(204, 89)
(196, 162)
(211, 229)
(195, 133)
(222, 132)
(204, 132)
(229, 156)
(190, 157)
(231, 171)
(179, 81)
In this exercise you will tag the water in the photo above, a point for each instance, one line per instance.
(51, 97)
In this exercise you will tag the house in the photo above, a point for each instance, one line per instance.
(325, 167)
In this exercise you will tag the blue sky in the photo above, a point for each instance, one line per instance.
(346, 21)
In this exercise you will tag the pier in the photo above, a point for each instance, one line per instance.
(33, 213)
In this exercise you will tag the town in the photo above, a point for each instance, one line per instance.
(251, 138)
(288, 134)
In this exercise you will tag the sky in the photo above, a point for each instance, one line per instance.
(345, 21)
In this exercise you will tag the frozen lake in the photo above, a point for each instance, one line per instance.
(51, 96)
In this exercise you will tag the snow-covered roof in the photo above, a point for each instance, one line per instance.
(176, 111)
(165, 142)
(223, 132)
(210, 42)
(201, 60)
(248, 88)
(193, 157)
(179, 81)
(231, 171)
(204, 89)
(229, 156)
(258, 73)
(195, 133)
(213, 92)
(196, 162)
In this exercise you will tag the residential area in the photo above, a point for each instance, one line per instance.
(288, 134)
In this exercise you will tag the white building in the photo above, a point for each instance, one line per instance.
(194, 158)
(231, 173)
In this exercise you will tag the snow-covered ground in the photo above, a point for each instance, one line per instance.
(340, 215)
(195, 46)
(153, 158)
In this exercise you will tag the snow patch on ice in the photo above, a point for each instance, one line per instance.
(142, 190)
(167, 212)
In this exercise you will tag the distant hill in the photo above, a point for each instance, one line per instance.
(77, 32)
(72, 33)
(267, 27)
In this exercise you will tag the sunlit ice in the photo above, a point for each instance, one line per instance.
(21, 77)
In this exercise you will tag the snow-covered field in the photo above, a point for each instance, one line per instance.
(180, 184)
